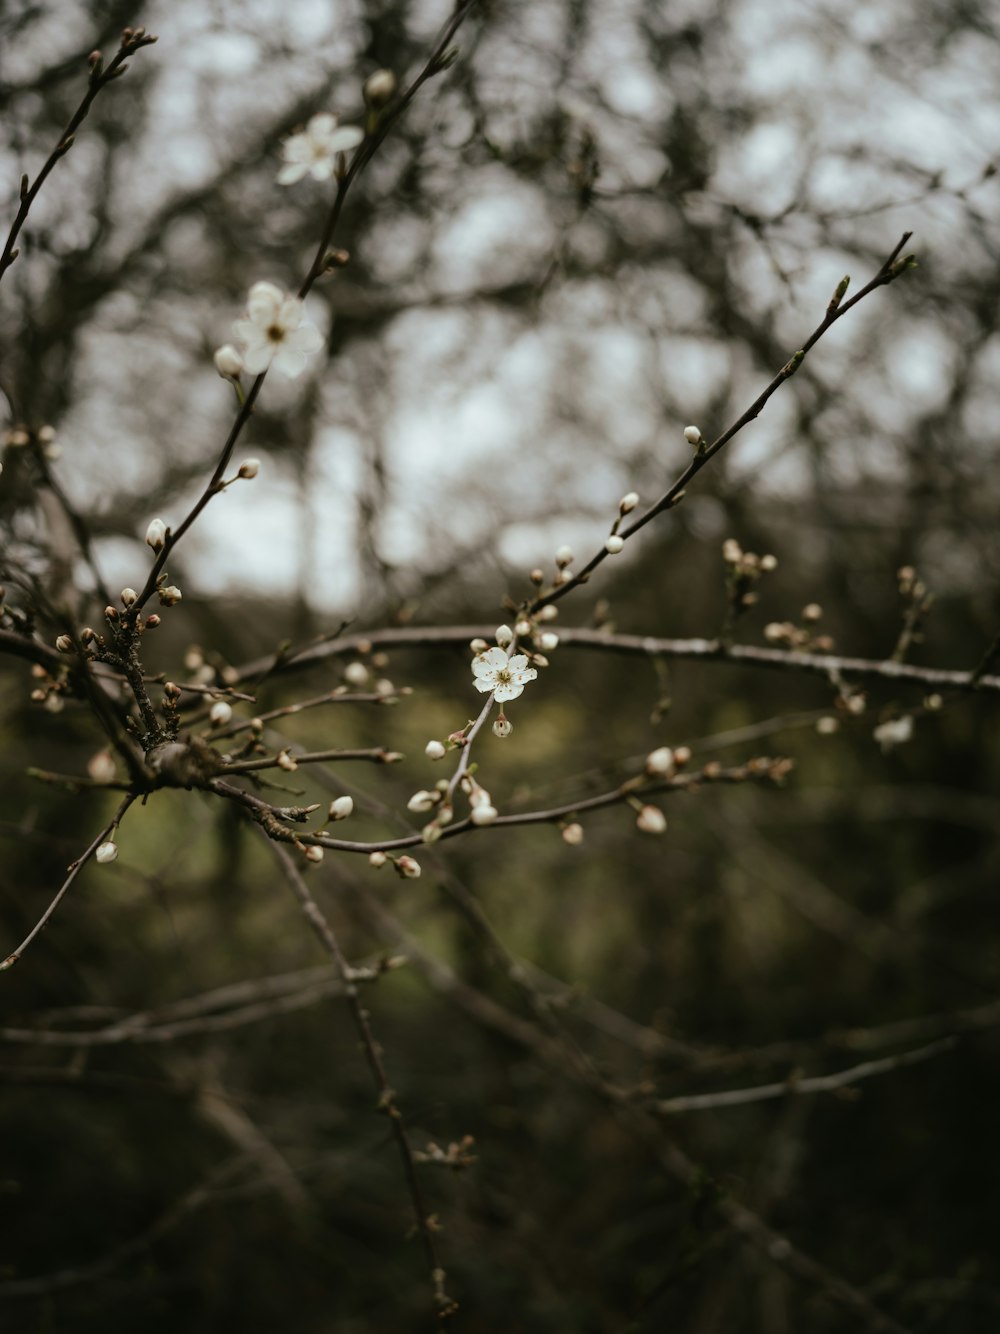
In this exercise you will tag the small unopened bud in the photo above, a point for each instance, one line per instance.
(827, 725)
(171, 691)
(422, 801)
(129, 597)
(377, 859)
(220, 713)
(434, 750)
(626, 505)
(380, 88)
(768, 563)
(732, 552)
(152, 621)
(314, 854)
(111, 613)
(573, 834)
(522, 628)
(660, 761)
(95, 60)
(169, 595)
(933, 702)
(483, 815)
(504, 635)
(341, 808)
(356, 673)
(537, 576)
(64, 644)
(87, 635)
(813, 612)
(107, 852)
(651, 820)
(549, 641)
(564, 557)
(286, 761)
(101, 767)
(249, 468)
(692, 435)
(682, 756)
(614, 544)
(478, 645)
(503, 727)
(431, 832)
(54, 703)
(549, 612)
(407, 867)
(228, 362)
(156, 534)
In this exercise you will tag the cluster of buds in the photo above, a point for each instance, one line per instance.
(800, 636)
(614, 541)
(744, 569)
(482, 811)
(456, 1156)
(433, 799)
(49, 691)
(44, 440)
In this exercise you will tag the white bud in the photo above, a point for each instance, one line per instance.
(101, 767)
(169, 595)
(692, 435)
(129, 597)
(356, 673)
(504, 635)
(768, 563)
(221, 712)
(249, 468)
(377, 859)
(479, 797)
(626, 505)
(422, 801)
(379, 88)
(503, 727)
(54, 703)
(651, 820)
(341, 808)
(660, 761)
(228, 362)
(564, 556)
(483, 815)
(434, 750)
(431, 832)
(894, 733)
(64, 644)
(614, 544)
(408, 867)
(573, 834)
(156, 534)
(287, 762)
(522, 628)
(107, 852)
(827, 725)
(549, 641)
(732, 552)
(549, 612)
(314, 854)
(478, 645)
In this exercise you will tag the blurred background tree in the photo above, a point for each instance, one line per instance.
(604, 222)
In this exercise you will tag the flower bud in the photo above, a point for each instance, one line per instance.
(220, 713)
(64, 644)
(341, 807)
(626, 505)
(286, 762)
(537, 576)
(660, 762)
(503, 727)
(504, 635)
(407, 867)
(129, 597)
(431, 832)
(478, 645)
(54, 703)
(827, 725)
(169, 595)
(549, 612)
(813, 612)
(692, 435)
(549, 641)
(422, 801)
(356, 673)
(434, 750)
(614, 544)
(651, 820)
(682, 756)
(228, 362)
(379, 88)
(564, 557)
(732, 552)
(768, 563)
(522, 628)
(249, 468)
(107, 852)
(377, 859)
(152, 621)
(101, 767)
(314, 854)
(573, 834)
(156, 534)
(483, 815)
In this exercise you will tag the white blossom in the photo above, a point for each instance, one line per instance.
(503, 677)
(313, 151)
(894, 733)
(272, 331)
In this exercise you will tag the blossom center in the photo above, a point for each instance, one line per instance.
(276, 333)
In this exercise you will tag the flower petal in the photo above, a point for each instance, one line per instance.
(264, 302)
(518, 662)
(321, 125)
(257, 359)
(322, 170)
(485, 686)
(292, 172)
(289, 362)
(506, 692)
(490, 660)
(306, 338)
(346, 138)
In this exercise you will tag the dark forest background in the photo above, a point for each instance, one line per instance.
(604, 222)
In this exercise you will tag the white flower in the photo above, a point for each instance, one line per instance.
(501, 676)
(107, 852)
(156, 534)
(228, 362)
(313, 151)
(894, 733)
(272, 331)
(341, 808)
